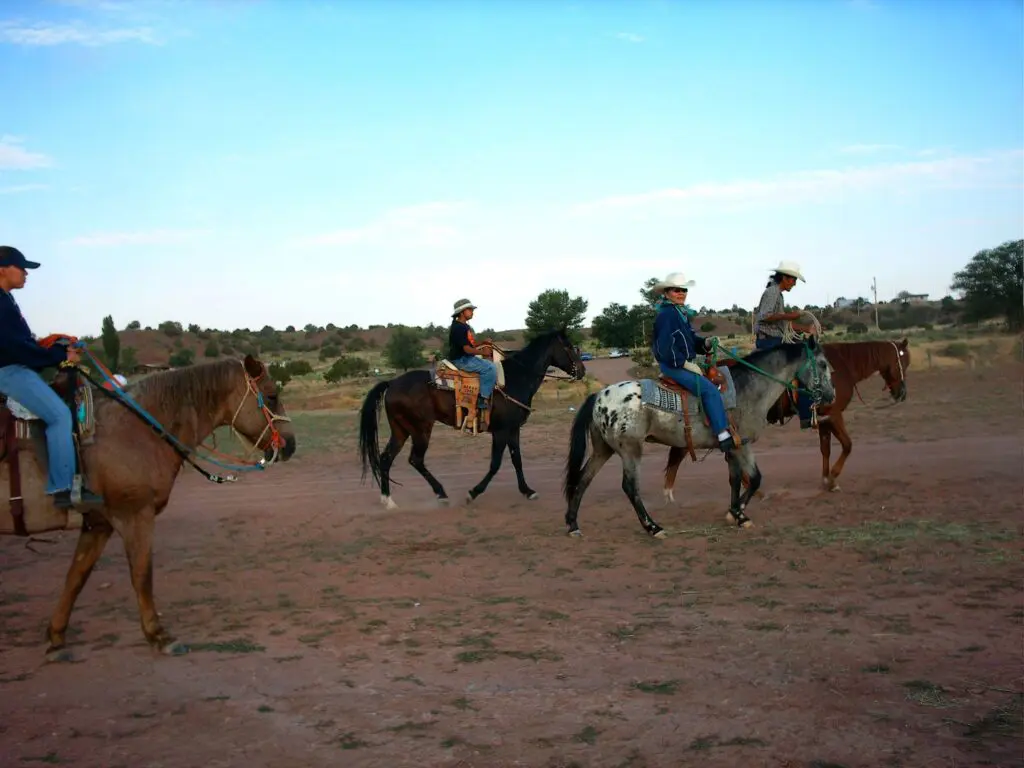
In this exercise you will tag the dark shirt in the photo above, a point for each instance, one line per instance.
(674, 339)
(459, 336)
(17, 345)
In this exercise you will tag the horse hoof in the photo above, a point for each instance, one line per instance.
(174, 648)
(532, 496)
(59, 655)
(443, 501)
(388, 502)
(576, 534)
(660, 534)
(834, 488)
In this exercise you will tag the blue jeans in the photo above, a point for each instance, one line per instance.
(708, 393)
(488, 372)
(28, 388)
(803, 400)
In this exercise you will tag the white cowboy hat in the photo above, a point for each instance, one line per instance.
(461, 306)
(674, 280)
(790, 268)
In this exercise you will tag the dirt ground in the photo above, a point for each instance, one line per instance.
(880, 626)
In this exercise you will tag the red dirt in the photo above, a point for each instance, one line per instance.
(875, 627)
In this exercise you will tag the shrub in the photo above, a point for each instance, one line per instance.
(344, 367)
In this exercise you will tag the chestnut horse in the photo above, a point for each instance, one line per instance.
(413, 404)
(852, 362)
(133, 467)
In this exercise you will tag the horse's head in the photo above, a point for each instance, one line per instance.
(895, 361)
(260, 416)
(815, 375)
(565, 356)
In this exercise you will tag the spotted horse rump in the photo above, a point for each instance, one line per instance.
(667, 396)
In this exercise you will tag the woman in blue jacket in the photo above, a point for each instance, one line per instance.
(676, 347)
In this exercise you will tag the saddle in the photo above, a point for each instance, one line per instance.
(716, 378)
(20, 429)
(466, 386)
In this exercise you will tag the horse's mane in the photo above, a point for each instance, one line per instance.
(202, 386)
(862, 358)
(791, 352)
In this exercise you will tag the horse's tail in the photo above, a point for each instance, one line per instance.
(578, 439)
(369, 450)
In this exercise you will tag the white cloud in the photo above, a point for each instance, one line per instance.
(868, 149)
(46, 34)
(997, 169)
(18, 188)
(426, 225)
(148, 237)
(630, 37)
(15, 157)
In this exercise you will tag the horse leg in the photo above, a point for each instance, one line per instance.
(675, 458)
(137, 532)
(517, 463)
(743, 470)
(600, 453)
(387, 458)
(839, 428)
(631, 487)
(825, 441)
(420, 443)
(91, 542)
(498, 442)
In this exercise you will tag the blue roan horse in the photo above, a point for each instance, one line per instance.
(623, 416)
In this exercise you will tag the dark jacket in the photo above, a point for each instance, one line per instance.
(674, 339)
(459, 336)
(17, 346)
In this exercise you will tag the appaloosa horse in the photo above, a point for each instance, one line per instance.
(413, 404)
(852, 362)
(619, 420)
(133, 467)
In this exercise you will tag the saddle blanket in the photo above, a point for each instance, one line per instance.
(654, 395)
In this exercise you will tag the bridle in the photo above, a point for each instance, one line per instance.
(277, 442)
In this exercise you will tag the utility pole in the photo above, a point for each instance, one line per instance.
(874, 290)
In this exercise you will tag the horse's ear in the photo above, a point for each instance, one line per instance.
(253, 366)
(905, 342)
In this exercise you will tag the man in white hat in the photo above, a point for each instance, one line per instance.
(463, 350)
(676, 347)
(770, 325)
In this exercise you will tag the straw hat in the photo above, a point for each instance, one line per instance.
(790, 268)
(674, 280)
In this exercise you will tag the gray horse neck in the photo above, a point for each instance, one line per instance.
(756, 393)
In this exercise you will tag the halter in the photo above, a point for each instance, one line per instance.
(568, 350)
(817, 390)
(899, 364)
(118, 393)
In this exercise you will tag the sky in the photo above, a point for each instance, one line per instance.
(237, 163)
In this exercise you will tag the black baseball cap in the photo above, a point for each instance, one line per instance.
(12, 257)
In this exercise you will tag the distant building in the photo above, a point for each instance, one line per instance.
(913, 298)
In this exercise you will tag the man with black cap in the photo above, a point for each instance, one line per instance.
(21, 359)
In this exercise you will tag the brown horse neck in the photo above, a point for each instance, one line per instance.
(860, 360)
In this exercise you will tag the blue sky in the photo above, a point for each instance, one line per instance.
(236, 163)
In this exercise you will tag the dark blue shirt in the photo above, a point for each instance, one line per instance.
(674, 339)
(460, 335)
(17, 345)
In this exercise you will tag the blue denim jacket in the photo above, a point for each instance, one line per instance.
(675, 341)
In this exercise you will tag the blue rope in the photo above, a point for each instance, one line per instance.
(128, 400)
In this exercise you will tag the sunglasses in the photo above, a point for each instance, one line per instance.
(678, 290)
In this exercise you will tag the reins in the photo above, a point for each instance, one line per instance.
(121, 396)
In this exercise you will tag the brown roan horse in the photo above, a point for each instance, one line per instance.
(413, 404)
(134, 469)
(852, 362)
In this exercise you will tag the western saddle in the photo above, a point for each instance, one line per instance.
(713, 375)
(466, 386)
(17, 434)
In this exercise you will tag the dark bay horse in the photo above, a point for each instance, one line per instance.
(852, 362)
(134, 469)
(413, 404)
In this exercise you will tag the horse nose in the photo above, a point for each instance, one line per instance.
(289, 448)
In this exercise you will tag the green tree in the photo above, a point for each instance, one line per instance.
(111, 344)
(614, 327)
(344, 366)
(992, 284)
(404, 349)
(554, 310)
(212, 349)
(129, 359)
(182, 358)
(134, 325)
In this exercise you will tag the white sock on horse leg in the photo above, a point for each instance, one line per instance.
(724, 434)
